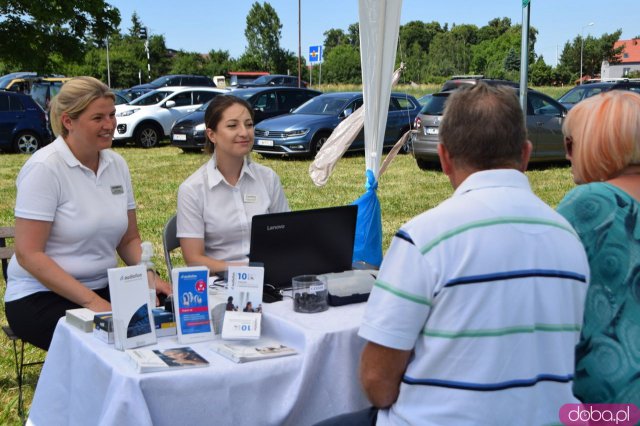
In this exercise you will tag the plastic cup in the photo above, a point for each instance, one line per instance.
(309, 294)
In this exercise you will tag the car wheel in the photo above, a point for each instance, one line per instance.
(317, 142)
(425, 164)
(147, 135)
(27, 142)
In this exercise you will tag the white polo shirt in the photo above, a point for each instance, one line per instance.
(488, 290)
(88, 212)
(211, 209)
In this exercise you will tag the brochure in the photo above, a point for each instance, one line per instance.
(150, 360)
(191, 304)
(133, 324)
(244, 288)
(254, 350)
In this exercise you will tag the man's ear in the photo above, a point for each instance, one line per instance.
(445, 160)
(527, 148)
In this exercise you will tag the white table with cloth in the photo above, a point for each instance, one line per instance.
(85, 381)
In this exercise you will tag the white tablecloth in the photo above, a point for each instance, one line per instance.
(84, 381)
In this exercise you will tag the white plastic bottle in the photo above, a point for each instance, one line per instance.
(145, 259)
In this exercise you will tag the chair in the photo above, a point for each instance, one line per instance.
(170, 242)
(9, 232)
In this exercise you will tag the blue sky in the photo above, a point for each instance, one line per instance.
(203, 25)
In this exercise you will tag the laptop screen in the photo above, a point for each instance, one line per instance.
(302, 242)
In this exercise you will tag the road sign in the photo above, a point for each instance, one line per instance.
(315, 54)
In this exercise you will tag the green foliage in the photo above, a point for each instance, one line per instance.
(187, 63)
(540, 73)
(594, 51)
(29, 28)
(263, 33)
(342, 65)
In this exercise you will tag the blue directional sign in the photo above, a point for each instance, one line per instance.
(315, 54)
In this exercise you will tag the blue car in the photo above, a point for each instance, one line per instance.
(23, 123)
(307, 128)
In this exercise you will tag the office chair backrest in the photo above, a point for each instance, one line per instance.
(170, 241)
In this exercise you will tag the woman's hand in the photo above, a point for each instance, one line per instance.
(98, 304)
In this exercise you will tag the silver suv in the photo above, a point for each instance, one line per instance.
(544, 128)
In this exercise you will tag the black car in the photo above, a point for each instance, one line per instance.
(188, 132)
(587, 90)
(177, 80)
(23, 123)
(274, 80)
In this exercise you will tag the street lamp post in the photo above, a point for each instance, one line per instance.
(582, 46)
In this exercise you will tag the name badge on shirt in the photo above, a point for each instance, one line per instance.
(117, 189)
(248, 198)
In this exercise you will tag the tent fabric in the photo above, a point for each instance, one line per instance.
(340, 140)
(379, 24)
(367, 247)
(334, 148)
(394, 151)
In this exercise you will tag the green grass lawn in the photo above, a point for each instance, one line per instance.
(404, 191)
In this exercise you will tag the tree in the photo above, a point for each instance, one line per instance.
(342, 65)
(540, 74)
(263, 34)
(187, 63)
(30, 27)
(594, 51)
(332, 38)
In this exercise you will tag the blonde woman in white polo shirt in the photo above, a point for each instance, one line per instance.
(217, 202)
(74, 210)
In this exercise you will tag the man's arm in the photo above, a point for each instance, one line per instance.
(381, 371)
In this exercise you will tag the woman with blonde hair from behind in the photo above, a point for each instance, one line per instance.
(74, 210)
(602, 140)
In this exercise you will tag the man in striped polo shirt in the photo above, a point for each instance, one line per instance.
(478, 303)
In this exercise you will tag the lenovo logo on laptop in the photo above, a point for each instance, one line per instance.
(275, 227)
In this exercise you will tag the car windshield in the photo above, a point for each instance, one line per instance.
(579, 93)
(261, 80)
(434, 105)
(160, 81)
(322, 105)
(204, 106)
(151, 98)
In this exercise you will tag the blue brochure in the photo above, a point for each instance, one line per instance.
(190, 295)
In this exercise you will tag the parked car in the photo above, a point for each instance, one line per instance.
(23, 123)
(188, 132)
(423, 99)
(120, 100)
(150, 117)
(17, 81)
(274, 80)
(584, 91)
(307, 128)
(131, 94)
(177, 80)
(544, 128)
(43, 91)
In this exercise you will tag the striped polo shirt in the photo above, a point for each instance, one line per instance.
(488, 289)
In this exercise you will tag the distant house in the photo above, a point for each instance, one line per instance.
(629, 60)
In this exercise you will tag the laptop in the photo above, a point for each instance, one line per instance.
(302, 242)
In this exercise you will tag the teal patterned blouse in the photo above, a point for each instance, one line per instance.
(608, 354)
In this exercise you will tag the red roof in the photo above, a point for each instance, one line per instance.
(248, 73)
(631, 52)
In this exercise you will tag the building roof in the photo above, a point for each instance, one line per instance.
(631, 51)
